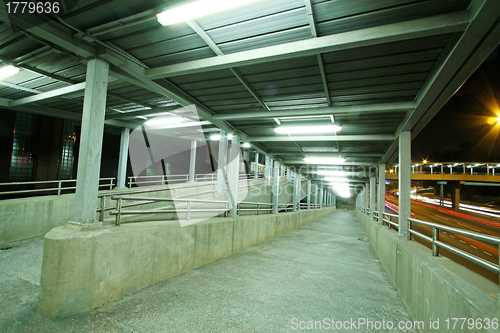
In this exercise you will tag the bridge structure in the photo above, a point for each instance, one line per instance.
(455, 174)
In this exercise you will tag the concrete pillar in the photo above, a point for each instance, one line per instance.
(455, 196)
(233, 173)
(282, 170)
(295, 193)
(334, 200)
(381, 192)
(316, 196)
(404, 181)
(276, 187)
(89, 161)
(372, 196)
(288, 175)
(192, 161)
(365, 195)
(309, 194)
(221, 164)
(267, 171)
(298, 176)
(321, 197)
(256, 171)
(121, 181)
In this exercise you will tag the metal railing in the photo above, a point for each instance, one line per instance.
(436, 244)
(104, 198)
(305, 205)
(60, 186)
(176, 179)
(190, 207)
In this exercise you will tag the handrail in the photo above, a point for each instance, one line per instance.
(59, 187)
(437, 244)
(139, 200)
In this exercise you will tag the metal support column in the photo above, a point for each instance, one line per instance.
(321, 197)
(121, 181)
(404, 181)
(192, 161)
(267, 171)
(221, 164)
(381, 192)
(372, 195)
(233, 173)
(309, 194)
(89, 162)
(256, 171)
(295, 193)
(276, 186)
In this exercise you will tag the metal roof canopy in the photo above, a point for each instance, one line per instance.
(379, 67)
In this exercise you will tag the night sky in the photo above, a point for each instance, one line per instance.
(460, 131)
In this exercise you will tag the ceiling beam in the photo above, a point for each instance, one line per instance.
(49, 94)
(324, 154)
(375, 137)
(53, 33)
(424, 27)
(133, 114)
(382, 107)
(340, 164)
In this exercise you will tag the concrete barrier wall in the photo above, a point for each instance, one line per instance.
(433, 288)
(30, 217)
(85, 268)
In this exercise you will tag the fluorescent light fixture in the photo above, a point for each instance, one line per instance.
(164, 120)
(342, 190)
(333, 173)
(324, 160)
(8, 71)
(305, 117)
(198, 9)
(308, 129)
(217, 137)
(246, 145)
(337, 180)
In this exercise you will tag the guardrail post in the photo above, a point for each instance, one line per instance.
(59, 188)
(103, 206)
(435, 237)
(410, 224)
(118, 211)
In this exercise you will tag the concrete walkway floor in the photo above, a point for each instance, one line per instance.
(324, 269)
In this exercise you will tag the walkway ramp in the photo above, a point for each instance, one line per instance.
(323, 269)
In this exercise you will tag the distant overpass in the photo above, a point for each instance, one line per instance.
(456, 173)
(451, 171)
(447, 177)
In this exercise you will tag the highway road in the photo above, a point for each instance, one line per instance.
(455, 219)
